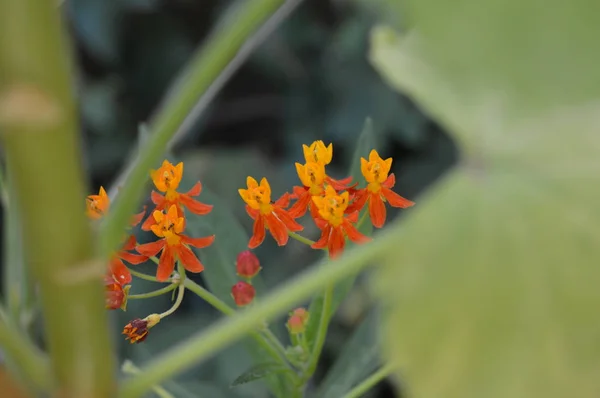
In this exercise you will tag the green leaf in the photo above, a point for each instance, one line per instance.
(358, 359)
(493, 288)
(258, 372)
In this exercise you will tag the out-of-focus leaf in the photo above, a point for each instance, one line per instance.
(358, 359)
(366, 142)
(195, 389)
(493, 288)
(259, 371)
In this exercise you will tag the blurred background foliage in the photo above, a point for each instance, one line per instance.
(309, 80)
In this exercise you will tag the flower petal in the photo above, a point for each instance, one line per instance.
(283, 201)
(358, 201)
(258, 233)
(129, 243)
(198, 242)
(137, 218)
(353, 234)
(396, 200)
(337, 241)
(188, 259)
(377, 210)
(277, 228)
(298, 209)
(195, 190)
(287, 220)
(253, 213)
(193, 205)
(119, 270)
(132, 258)
(151, 249)
(166, 265)
(324, 239)
(157, 198)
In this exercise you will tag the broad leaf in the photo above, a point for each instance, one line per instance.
(259, 371)
(493, 288)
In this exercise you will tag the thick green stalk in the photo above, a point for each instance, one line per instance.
(227, 331)
(370, 382)
(39, 132)
(321, 334)
(204, 68)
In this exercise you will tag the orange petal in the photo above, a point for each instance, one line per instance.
(189, 260)
(324, 239)
(253, 213)
(338, 185)
(147, 225)
(258, 235)
(390, 181)
(157, 198)
(195, 190)
(132, 258)
(377, 210)
(166, 265)
(337, 241)
(193, 205)
(129, 243)
(137, 218)
(353, 234)
(299, 208)
(277, 229)
(287, 220)
(284, 200)
(151, 249)
(352, 217)
(396, 200)
(119, 271)
(198, 242)
(358, 202)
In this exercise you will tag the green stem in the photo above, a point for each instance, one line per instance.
(40, 136)
(267, 340)
(280, 300)
(180, 291)
(362, 219)
(29, 361)
(321, 334)
(370, 382)
(143, 276)
(154, 293)
(301, 238)
(204, 68)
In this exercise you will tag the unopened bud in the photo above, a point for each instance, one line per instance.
(243, 293)
(247, 264)
(297, 321)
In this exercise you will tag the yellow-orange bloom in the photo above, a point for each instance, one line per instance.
(167, 177)
(266, 214)
(317, 152)
(97, 205)
(334, 225)
(378, 190)
(173, 244)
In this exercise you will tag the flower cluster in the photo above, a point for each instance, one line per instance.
(334, 205)
(167, 221)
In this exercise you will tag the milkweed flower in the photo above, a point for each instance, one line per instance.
(378, 190)
(318, 153)
(166, 179)
(243, 293)
(266, 214)
(297, 321)
(174, 244)
(335, 225)
(115, 294)
(136, 331)
(97, 205)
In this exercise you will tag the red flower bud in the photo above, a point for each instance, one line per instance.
(243, 293)
(247, 264)
(297, 321)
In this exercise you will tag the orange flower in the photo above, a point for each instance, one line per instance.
(317, 152)
(167, 179)
(97, 205)
(334, 225)
(173, 244)
(266, 214)
(115, 295)
(378, 190)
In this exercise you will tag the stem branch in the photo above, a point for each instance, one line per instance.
(153, 293)
(370, 382)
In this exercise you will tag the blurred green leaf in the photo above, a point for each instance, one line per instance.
(492, 291)
(358, 359)
(259, 371)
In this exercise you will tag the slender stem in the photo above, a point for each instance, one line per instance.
(40, 136)
(370, 382)
(153, 293)
(362, 219)
(143, 276)
(267, 340)
(321, 333)
(29, 361)
(229, 330)
(180, 292)
(204, 68)
(301, 238)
